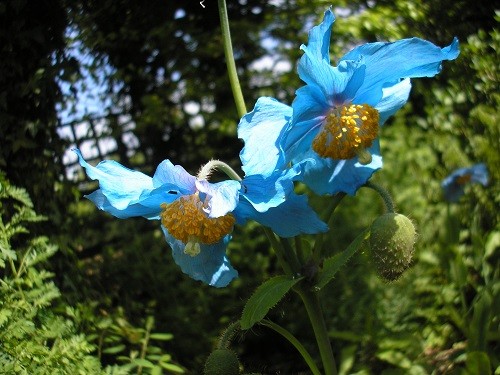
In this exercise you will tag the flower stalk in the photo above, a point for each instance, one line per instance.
(231, 64)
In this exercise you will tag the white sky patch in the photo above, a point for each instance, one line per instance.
(196, 122)
(192, 108)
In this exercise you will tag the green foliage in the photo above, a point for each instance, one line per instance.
(34, 338)
(265, 297)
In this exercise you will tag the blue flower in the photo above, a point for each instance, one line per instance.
(197, 217)
(454, 185)
(337, 114)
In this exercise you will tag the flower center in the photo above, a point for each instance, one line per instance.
(462, 180)
(347, 131)
(186, 221)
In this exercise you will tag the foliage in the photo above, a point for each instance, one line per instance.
(35, 338)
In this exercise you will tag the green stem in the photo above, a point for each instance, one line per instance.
(290, 255)
(384, 194)
(231, 65)
(296, 343)
(313, 308)
(228, 334)
(278, 250)
(318, 244)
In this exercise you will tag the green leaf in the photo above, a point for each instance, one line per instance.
(265, 297)
(478, 363)
(142, 362)
(333, 264)
(171, 367)
(114, 349)
(161, 336)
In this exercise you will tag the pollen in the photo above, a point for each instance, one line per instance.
(186, 221)
(346, 131)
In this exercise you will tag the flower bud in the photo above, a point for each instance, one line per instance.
(222, 362)
(392, 237)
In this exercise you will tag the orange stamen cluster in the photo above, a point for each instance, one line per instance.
(186, 221)
(346, 131)
(462, 180)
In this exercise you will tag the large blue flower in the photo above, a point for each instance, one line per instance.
(454, 185)
(197, 216)
(336, 115)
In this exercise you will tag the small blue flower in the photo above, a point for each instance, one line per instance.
(336, 115)
(454, 185)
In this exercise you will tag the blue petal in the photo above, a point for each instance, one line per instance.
(210, 266)
(328, 176)
(393, 98)
(222, 196)
(267, 192)
(174, 175)
(124, 192)
(289, 219)
(261, 131)
(148, 208)
(387, 63)
(319, 38)
(336, 83)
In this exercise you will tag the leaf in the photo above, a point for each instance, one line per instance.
(478, 363)
(161, 336)
(171, 367)
(142, 363)
(114, 349)
(333, 264)
(265, 297)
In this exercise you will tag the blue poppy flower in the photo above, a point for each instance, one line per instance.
(337, 114)
(197, 216)
(454, 185)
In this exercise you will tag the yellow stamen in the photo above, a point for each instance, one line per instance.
(186, 221)
(346, 131)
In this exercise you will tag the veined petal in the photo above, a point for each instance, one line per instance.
(222, 196)
(334, 82)
(148, 207)
(175, 175)
(390, 62)
(293, 217)
(319, 37)
(267, 192)
(299, 137)
(328, 176)
(121, 186)
(261, 131)
(210, 266)
(393, 98)
(309, 103)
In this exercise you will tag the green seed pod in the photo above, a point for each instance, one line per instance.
(392, 237)
(222, 362)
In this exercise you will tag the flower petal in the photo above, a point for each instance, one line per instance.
(222, 196)
(210, 266)
(393, 98)
(261, 131)
(328, 176)
(124, 192)
(293, 217)
(387, 63)
(148, 208)
(175, 175)
(319, 38)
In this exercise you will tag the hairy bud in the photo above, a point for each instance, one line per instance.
(222, 362)
(392, 237)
